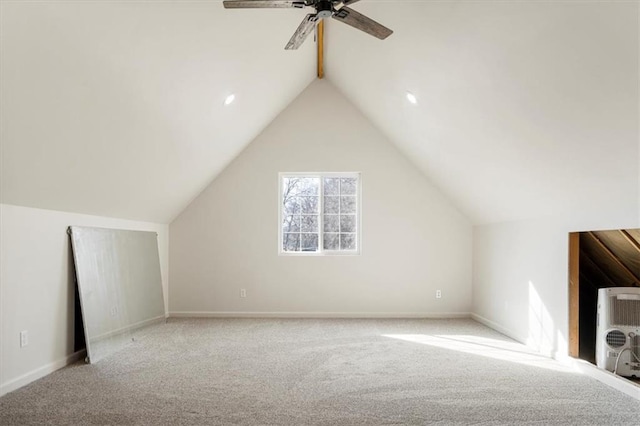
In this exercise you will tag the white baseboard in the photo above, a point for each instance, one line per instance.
(606, 377)
(544, 351)
(497, 327)
(584, 367)
(359, 315)
(39, 373)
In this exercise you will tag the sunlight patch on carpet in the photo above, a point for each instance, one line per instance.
(483, 346)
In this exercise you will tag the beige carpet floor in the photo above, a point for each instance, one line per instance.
(319, 371)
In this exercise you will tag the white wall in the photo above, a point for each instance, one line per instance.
(37, 287)
(520, 275)
(413, 240)
(520, 268)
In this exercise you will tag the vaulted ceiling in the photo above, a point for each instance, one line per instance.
(116, 108)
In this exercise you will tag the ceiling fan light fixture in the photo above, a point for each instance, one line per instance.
(412, 98)
(229, 99)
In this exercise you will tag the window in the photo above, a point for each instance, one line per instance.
(319, 213)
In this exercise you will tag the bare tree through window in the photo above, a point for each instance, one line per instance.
(319, 213)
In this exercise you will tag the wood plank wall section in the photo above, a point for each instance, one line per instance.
(574, 294)
(634, 280)
(630, 239)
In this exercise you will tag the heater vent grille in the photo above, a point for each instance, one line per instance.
(618, 330)
(616, 339)
(624, 312)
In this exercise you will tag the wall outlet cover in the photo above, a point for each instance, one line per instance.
(24, 338)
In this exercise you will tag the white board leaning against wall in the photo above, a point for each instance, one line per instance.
(120, 285)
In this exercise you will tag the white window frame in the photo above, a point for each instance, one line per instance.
(321, 251)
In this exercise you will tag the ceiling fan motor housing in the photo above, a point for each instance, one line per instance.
(324, 8)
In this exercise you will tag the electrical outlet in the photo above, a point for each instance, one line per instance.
(24, 338)
(438, 294)
(114, 311)
(243, 292)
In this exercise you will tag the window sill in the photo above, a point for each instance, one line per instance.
(316, 254)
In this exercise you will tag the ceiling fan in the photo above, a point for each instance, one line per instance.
(337, 9)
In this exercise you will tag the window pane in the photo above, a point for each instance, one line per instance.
(331, 242)
(291, 242)
(291, 224)
(348, 223)
(347, 241)
(347, 204)
(309, 186)
(294, 186)
(309, 224)
(348, 186)
(332, 205)
(331, 186)
(309, 205)
(292, 206)
(331, 223)
(290, 187)
(309, 242)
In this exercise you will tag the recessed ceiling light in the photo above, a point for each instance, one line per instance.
(229, 99)
(412, 98)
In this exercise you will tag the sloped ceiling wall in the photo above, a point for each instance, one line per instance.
(116, 108)
(526, 109)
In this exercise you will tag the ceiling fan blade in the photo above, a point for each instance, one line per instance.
(361, 22)
(306, 27)
(348, 2)
(259, 4)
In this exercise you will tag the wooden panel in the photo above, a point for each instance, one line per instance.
(321, 49)
(631, 256)
(622, 245)
(631, 278)
(635, 233)
(574, 294)
(305, 28)
(361, 22)
(606, 261)
(252, 4)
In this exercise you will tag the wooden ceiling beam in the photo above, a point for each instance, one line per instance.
(629, 272)
(630, 239)
(320, 28)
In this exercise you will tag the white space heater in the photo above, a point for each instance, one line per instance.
(618, 330)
